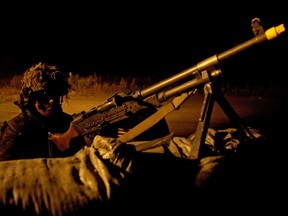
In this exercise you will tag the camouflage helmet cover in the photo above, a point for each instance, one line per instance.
(44, 77)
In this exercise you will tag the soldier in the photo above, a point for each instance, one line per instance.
(27, 134)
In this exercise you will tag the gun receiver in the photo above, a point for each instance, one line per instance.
(121, 109)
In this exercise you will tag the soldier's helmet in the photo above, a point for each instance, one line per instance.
(46, 78)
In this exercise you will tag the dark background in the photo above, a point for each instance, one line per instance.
(143, 39)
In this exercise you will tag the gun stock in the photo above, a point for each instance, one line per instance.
(105, 119)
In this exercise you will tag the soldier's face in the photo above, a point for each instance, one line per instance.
(48, 105)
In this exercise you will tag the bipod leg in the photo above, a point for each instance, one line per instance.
(203, 123)
(212, 94)
(232, 115)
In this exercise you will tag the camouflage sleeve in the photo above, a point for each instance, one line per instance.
(10, 131)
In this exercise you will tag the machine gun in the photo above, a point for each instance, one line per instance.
(142, 112)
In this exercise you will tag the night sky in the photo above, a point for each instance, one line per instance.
(142, 40)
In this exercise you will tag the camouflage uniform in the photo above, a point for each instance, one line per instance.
(27, 134)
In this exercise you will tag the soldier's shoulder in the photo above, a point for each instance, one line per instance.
(16, 123)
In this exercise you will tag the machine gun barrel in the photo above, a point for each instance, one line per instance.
(210, 62)
(195, 71)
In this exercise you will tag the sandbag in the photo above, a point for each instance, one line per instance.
(62, 186)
